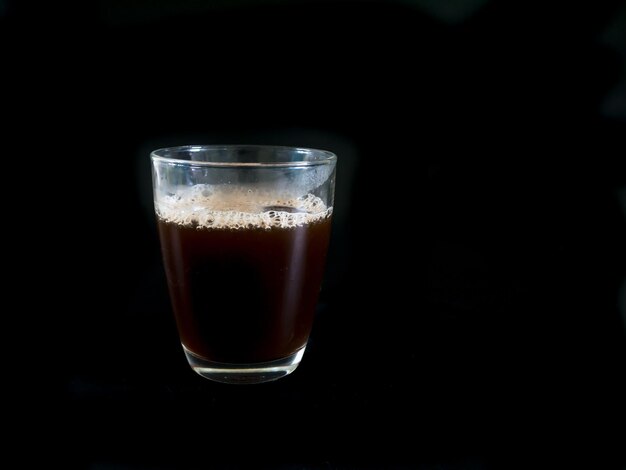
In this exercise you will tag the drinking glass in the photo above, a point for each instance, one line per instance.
(244, 233)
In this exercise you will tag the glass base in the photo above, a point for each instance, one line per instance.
(244, 373)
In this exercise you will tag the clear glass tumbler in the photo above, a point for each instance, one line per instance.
(244, 233)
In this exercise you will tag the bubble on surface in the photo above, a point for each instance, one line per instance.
(204, 207)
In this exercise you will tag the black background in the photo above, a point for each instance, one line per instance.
(511, 353)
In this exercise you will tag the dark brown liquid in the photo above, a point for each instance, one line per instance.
(247, 295)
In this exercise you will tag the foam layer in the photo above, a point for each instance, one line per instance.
(203, 207)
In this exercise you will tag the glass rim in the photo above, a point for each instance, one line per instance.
(323, 157)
